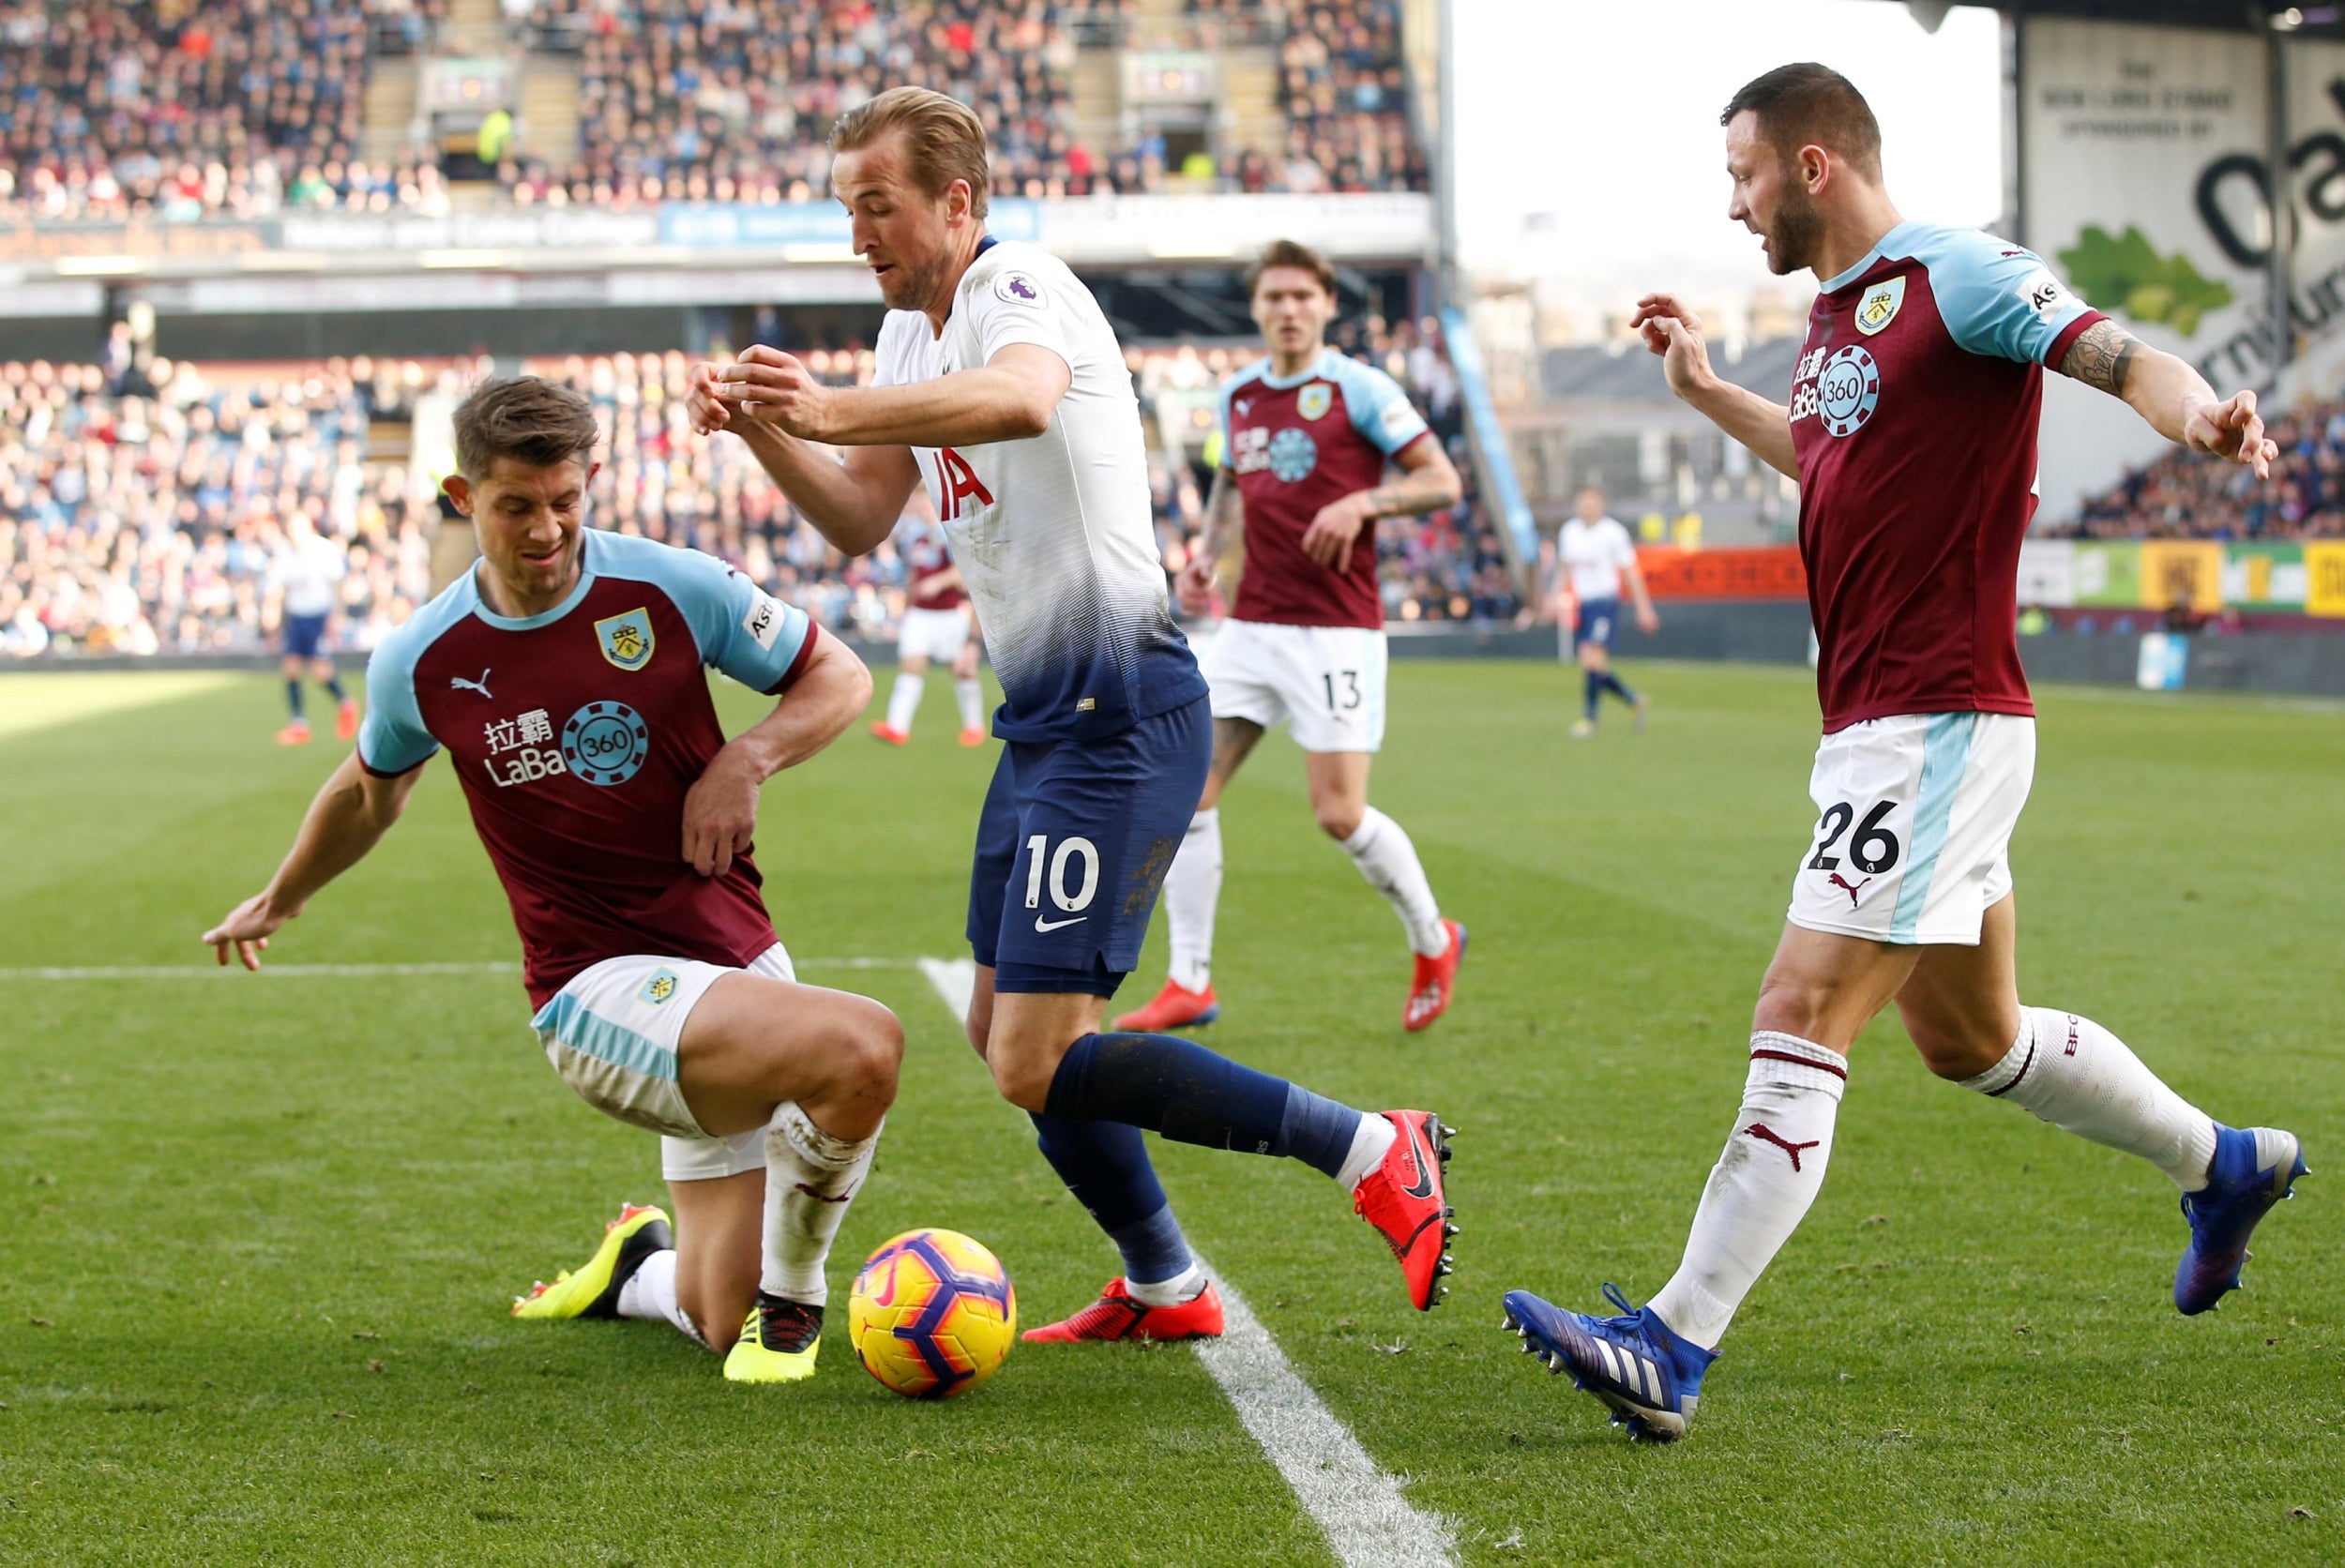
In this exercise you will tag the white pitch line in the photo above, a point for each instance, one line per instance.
(1367, 1520)
(1361, 1511)
(361, 971)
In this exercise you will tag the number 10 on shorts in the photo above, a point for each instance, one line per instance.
(1061, 863)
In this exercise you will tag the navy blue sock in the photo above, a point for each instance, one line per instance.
(1192, 1095)
(1613, 685)
(1595, 686)
(1105, 1165)
(334, 687)
(292, 696)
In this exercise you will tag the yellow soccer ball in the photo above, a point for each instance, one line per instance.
(933, 1313)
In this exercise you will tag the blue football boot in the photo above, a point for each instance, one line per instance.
(2253, 1169)
(1634, 1362)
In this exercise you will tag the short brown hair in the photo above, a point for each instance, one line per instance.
(944, 136)
(1805, 103)
(532, 420)
(1286, 252)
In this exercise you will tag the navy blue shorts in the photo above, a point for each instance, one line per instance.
(1073, 845)
(1599, 620)
(304, 636)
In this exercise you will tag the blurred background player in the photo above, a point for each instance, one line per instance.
(1924, 358)
(1001, 387)
(1594, 555)
(566, 675)
(1307, 434)
(935, 627)
(305, 570)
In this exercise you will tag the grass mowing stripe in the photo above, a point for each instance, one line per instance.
(1359, 1508)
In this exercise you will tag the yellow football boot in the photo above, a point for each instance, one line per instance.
(778, 1343)
(592, 1290)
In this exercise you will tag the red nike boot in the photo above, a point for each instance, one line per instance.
(1174, 1008)
(1429, 993)
(1116, 1316)
(888, 732)
(1402, 1199)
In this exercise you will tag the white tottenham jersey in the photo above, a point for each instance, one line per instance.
(1595, 554)
(1053, 534)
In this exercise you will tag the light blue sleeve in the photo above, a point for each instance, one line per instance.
(391, 738)
(739, 627)
(1998, 298)
(1380, 411)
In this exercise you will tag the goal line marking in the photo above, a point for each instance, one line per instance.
(1367, 1520)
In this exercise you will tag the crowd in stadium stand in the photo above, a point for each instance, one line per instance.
(114, 106)
(140, 505)
(2186, 497)
(245, 109)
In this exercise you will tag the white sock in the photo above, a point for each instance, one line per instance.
(1371, 1141)
(650, 1293)
(1192, 890)
(904, 701)
(1761, 1186)
(1186, 1286)
(2083, 1079)
(810, 1177)
(1381, 850)
(970, 694)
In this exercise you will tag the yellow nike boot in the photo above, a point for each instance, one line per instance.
(778, 1343)
(592, 1290)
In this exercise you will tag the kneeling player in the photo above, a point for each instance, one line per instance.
(565, 675)
(1000, 384)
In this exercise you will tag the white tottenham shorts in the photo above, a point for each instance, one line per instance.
(935, 635)
(1327, 683)
(1912, 845)
(612, 1033)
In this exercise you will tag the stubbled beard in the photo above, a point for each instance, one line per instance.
(910, 289)
(1792, 237)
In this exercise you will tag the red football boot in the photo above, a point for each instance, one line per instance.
(346, 720)
(888, 732)
(1116, 1316)
(1402, 1199)
(1429, 993)
(973, 737)
(1174, 1008)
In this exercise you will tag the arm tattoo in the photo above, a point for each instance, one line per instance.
(2102, 357)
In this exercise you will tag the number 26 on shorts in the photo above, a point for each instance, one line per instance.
(1076, 858)
(1873, 848)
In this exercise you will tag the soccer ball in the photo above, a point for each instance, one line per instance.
(933, 1313)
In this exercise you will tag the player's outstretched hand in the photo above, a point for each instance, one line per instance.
(247, 930)
(2233, 430)
(1647, 622)
(1672, 330)
(769, 385)
(709, 412)
(1328, 539)
(720, 815)
(1194, 586)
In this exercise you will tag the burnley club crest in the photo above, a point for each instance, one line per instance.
(626, 639)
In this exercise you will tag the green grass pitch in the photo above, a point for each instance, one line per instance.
(263, 1230)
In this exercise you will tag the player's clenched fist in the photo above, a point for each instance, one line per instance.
(775, 388)
(706, 410)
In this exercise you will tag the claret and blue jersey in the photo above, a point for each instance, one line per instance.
(1914, 412)
(576, 735)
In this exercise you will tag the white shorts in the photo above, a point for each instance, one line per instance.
(612, 1033)
(935, 635)
(1913, 843)
(1326, 682)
